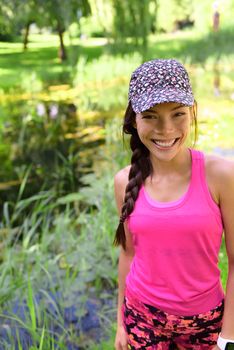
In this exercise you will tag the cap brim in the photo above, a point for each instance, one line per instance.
(144, 102)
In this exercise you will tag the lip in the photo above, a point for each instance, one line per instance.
(163, 147)
(165, 140)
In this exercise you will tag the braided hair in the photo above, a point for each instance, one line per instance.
(141, 168)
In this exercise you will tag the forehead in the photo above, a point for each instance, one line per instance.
(169, 106)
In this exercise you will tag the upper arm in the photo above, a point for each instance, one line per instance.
(226, 184)
(120, 183)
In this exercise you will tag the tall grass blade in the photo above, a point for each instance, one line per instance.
(42, 338)
(23, 183)
(31, 307)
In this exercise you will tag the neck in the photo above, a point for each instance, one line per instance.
(179, 164)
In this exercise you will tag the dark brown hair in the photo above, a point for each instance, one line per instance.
(141, 168)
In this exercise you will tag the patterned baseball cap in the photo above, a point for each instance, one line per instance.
(158, 81)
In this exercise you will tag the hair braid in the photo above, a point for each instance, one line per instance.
(139, 171)
(141, 168)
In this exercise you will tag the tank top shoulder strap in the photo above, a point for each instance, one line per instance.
(196, 154)
(197, 167)
(199, 179)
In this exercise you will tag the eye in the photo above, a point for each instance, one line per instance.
(149, 116)
(179, 114)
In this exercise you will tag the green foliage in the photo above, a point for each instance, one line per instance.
(54, 14)
(106, 80)
(100, 21)
(133, 19)
(204, 10)
(6, 20)
(119, 20)
(170, 11)
(34, 261)
(200, 11)
(56, 250)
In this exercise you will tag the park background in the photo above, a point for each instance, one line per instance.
(65, 68)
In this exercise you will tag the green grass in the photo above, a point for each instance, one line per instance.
(194, 47)
(42, 54)
(42, 58)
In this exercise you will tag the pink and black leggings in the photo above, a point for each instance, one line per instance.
(149, 328)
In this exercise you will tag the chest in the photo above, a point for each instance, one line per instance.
(190, 220)
(170, 189)
(167, 189)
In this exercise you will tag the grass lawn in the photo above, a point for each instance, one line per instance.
(42, 58)
(42, 54)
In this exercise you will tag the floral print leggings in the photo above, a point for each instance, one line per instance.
(152, 329)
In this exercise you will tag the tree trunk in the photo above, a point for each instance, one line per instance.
(144, 15)
(26, 35)
(62, 51)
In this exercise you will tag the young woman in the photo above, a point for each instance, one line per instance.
(174, 203)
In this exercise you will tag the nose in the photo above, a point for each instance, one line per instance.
(166, 126)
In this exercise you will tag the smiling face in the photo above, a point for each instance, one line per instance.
(164, 128)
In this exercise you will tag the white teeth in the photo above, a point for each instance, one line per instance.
(163, 143)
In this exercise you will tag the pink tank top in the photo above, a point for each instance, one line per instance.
(176, 248)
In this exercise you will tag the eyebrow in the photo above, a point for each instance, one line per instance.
(180, 106)
(155, 111)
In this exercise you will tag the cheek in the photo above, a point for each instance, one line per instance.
(143, 130)
(186, 125)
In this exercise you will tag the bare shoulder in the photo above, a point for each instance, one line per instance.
(219, 167)
(120, 183)
(121, 177)
(220, 176)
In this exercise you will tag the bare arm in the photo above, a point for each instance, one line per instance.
(125, 258)
(125, 261)
(227, 209)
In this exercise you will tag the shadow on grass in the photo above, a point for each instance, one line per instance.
(196, 51)
(214, 46)
(37, 57)
(46, 64)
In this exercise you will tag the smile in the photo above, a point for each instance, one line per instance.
(165, 144)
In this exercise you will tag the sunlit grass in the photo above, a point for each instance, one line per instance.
(190, 47)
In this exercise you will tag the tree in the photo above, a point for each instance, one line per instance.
(27, 13)
(6, 20)
(16, 15)
(59, 14)
(134, 19)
